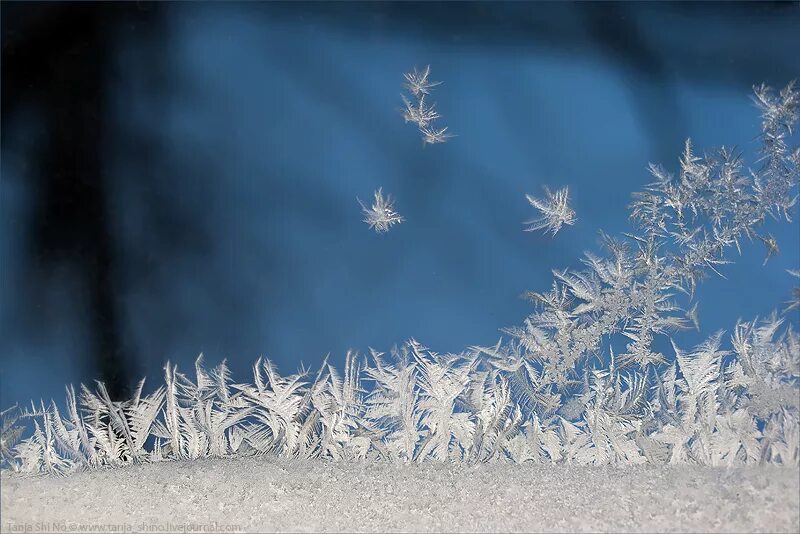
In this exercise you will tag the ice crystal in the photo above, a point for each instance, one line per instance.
(555, 211)
(381, 215)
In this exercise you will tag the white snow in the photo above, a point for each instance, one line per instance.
(271, 494)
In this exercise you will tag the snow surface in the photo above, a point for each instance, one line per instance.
(271, 494)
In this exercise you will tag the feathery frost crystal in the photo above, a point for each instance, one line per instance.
(555, 211)
(381, 215)
(418, 111)
(554, 392)
(417, 82)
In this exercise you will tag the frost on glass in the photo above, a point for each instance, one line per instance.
(554, 391)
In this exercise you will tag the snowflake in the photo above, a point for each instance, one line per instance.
(555, 211)
(381, 215)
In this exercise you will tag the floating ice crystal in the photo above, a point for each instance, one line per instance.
(381, 215)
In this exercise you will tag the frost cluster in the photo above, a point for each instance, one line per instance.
(556, 391)
(420, 112)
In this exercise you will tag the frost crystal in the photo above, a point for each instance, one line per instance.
(431, 136)
(418, 83)
(555, 211)
(419, 112)
(381, 215)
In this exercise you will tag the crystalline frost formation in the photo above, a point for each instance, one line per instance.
(555, 391)
(554, 209)
(381, 216)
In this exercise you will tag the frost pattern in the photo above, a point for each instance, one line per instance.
(381, 216)
(555, 211)
(555, 392)
(418, 111)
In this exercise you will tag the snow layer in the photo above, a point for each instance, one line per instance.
(271, 494)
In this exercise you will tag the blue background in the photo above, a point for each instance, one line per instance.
(243, 133)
